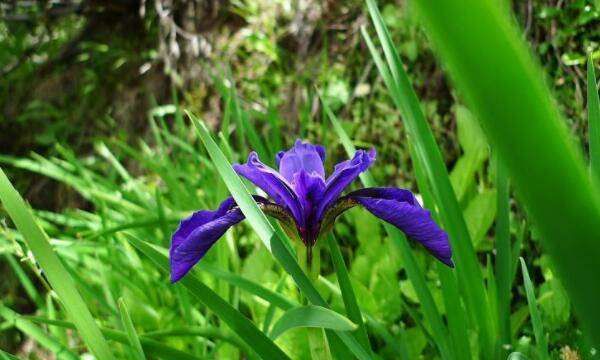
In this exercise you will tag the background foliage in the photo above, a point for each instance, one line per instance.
(95, 89)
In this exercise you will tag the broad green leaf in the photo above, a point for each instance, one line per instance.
(311, 316)
(480, 214)
(57, 275)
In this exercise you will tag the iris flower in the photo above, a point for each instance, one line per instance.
(306, 203)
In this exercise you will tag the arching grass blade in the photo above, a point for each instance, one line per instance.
(57, 275)
(505, 89)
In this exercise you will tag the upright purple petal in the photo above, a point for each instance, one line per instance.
(301, 157)
(271, 182)
(343, 174)
(400, 208)
(197, 234)
(310, 188)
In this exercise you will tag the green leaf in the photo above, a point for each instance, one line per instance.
(134, 341)
(504, 277)
(348, 295)
(505, 89)
(37, 334)
(536, 320)
(57, 275)
(149, 345)
(426, 150)
(593, 111)
(480, 214)
(415, 274)
(311, 316)
(238, 323)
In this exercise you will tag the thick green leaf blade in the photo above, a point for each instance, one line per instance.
(238, 323)
(57, 275)
(506, 91)
(311, 316)
(134, 340)
(536, 320)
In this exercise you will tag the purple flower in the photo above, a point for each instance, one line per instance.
(306, 202)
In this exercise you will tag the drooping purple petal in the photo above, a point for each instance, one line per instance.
(197, 234)
(302, 156)
(271, 182)
(400, 208)
(343, 174)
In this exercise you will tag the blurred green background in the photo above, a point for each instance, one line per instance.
(78, 77)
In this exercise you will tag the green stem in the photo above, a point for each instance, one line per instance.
(310, 260)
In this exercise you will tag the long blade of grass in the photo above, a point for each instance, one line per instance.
(505, 89)
(536, 320)
(272, 238)
(238, 323)
(467, 267)
(311, 316)
(593, 111)
(37, 334)
(150, 346)
(415, 274)
(134, 340)
(348, 296)
(57, 275)
(503, 252)
(6, 356)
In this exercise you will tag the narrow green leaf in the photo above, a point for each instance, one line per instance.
(238, 323)
(593, 111)
(57, 275)
(6, 356)
(150, 346)
(467, 267)
(536, 320)
(503, 252)
(415, 274)
(311, 316)
(350, 302)
(506, 91)
(134, 341)
(37, 334)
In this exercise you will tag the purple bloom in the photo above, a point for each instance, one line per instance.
(307, 202)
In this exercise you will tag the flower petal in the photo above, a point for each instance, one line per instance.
(310, 188)
(343, 174)
(196, 234)
(302, 156)
(271, 182)
(400, 208)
